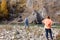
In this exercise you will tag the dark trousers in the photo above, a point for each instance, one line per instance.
(50, 32)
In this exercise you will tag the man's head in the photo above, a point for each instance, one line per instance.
(48, 17)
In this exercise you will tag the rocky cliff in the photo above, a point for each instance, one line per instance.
(47, 7)
(43, 7)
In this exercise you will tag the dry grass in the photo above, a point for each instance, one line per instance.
(8, 28)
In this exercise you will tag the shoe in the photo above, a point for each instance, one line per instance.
(47, 39)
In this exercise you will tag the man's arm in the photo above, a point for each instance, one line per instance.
(43, 21)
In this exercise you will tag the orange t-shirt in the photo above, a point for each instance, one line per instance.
(48, 23)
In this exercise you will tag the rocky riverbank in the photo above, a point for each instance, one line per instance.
(19, 33)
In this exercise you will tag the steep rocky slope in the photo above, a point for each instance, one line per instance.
(43, 7)
(48, 7)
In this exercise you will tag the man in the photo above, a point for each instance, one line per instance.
(26, 23)
(48, 22)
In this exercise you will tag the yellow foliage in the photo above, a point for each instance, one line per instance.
(4, 7)
(0, 7)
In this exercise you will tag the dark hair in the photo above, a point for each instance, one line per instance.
(48, 17)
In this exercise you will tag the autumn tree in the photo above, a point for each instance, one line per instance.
(4, 8)
(0, 7)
